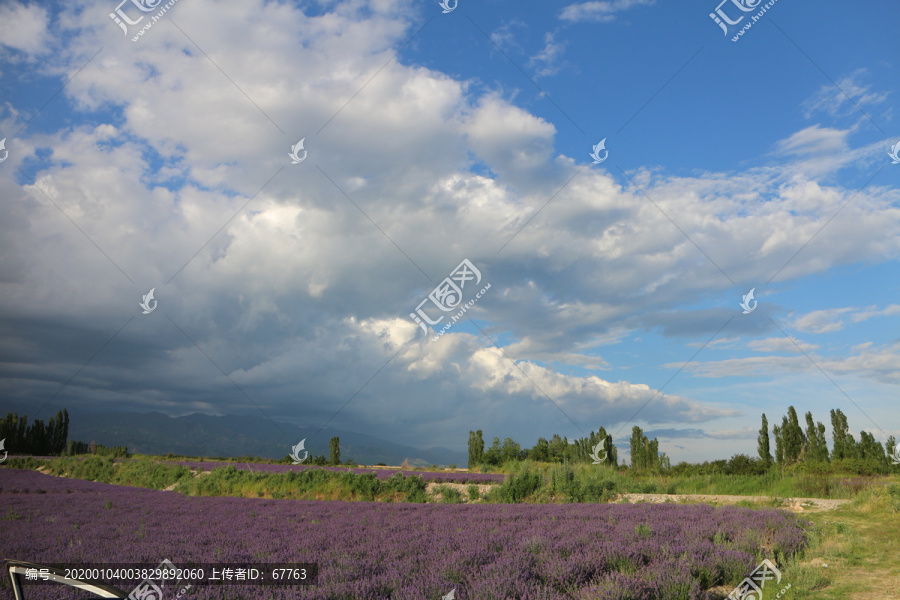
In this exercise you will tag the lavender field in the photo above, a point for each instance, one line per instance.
(398, 551)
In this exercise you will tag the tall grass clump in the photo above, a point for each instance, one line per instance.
(25, 462)
(92, 468)
(883, 500)
(585, 483)
(517, 488)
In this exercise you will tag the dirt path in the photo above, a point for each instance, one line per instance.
(462, 488)
(794, 504)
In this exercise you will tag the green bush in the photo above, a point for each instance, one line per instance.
(474, 494)
(25, 462)
(597, 491)
(366, 485)
(449, 495)
(518, 487)
(562, 479)
(413, 487)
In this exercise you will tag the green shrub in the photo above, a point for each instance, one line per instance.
(25, 462)
(449, 495)
(561, 479)
(518, 487)
(413, 486)
(474, 494)
(365, 485)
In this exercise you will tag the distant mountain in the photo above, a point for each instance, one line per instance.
(233, 435)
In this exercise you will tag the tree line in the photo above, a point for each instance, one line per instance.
(50, 439)
(74, 448)
(37, 439)
(334, 458)
(794, 446)
(557, 449)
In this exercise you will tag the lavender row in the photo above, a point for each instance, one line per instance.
(429, 476)
(398, 551)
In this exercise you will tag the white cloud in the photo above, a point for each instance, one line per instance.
(881, 364)
(549, 60)
(504, 37)
(815, 140)
(599, 11)
(821, 321)
(302, 298)
(24, 27)
(847, 98)
(834, 319)
(780, 344)
(871, 312)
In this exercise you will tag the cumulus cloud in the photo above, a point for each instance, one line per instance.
(294, 282)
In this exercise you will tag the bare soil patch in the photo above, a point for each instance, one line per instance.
(793, 504)
(462, 488)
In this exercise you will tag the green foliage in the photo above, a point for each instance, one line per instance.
(589, 484)
(25, 462)
(93, 468)
(816, 449)
(645, 453)
(319, 461)
(763, 443)
(814, 485)
(413, 487)
(449, 495)
(584, 448)
(792, 437)
(518, 487)
(561, 479)
(474, 494)
(365, 486)
(334, 445)
(845, 447)
(37, 439)
(476, 448)
(741, 464)
(493, 454)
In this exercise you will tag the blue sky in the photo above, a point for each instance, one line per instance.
(286, 289)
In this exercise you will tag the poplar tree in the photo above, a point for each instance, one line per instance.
(779, 444)
(763, 443)
(335, 446)
(637, 448)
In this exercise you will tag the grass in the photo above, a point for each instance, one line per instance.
(775, 483)
(857, 542)
(312, 484)
(526, 481)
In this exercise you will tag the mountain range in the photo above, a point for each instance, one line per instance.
(237, 435)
